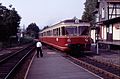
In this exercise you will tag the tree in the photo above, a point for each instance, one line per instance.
(33, 30)
(9, 22)
(45, 27)
(90, 6)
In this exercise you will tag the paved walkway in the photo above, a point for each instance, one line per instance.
(54, 66)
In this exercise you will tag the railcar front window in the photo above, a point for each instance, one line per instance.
(83, 30)
(71, 31)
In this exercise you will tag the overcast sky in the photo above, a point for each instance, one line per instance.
(46, 12)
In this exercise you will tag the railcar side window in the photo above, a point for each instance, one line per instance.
(83, 30)
(55, 32)
(63, 30)
(49, 33)
(58, 31)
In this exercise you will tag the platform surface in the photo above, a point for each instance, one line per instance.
(54, 66)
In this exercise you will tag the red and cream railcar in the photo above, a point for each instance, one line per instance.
(67, 34)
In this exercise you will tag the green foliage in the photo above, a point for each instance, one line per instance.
(9, 22)
(90, 6)
(45, 27)
(33, 30)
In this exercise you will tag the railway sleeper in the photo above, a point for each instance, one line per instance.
(107, 63)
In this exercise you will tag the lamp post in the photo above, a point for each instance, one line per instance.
(97, 38)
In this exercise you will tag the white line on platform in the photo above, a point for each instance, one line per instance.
(86, 70)
(51, 53)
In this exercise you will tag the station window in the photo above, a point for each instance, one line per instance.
(110, 28)
(113, 13)
(103, 13)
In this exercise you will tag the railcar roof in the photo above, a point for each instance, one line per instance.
(72, 21)
(68, 21)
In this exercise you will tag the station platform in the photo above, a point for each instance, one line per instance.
(54, 66)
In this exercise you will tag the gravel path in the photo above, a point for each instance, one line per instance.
(107, 55)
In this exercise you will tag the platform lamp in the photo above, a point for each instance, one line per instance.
(97, 38)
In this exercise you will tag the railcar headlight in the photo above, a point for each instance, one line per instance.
(56, 39)
(66, 44)
(68, 40)
(86, 40)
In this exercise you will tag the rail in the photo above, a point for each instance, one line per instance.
(10, 64)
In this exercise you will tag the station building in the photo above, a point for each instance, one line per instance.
(108, 23)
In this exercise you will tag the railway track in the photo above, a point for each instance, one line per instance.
(103, 69)
(10, 64)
